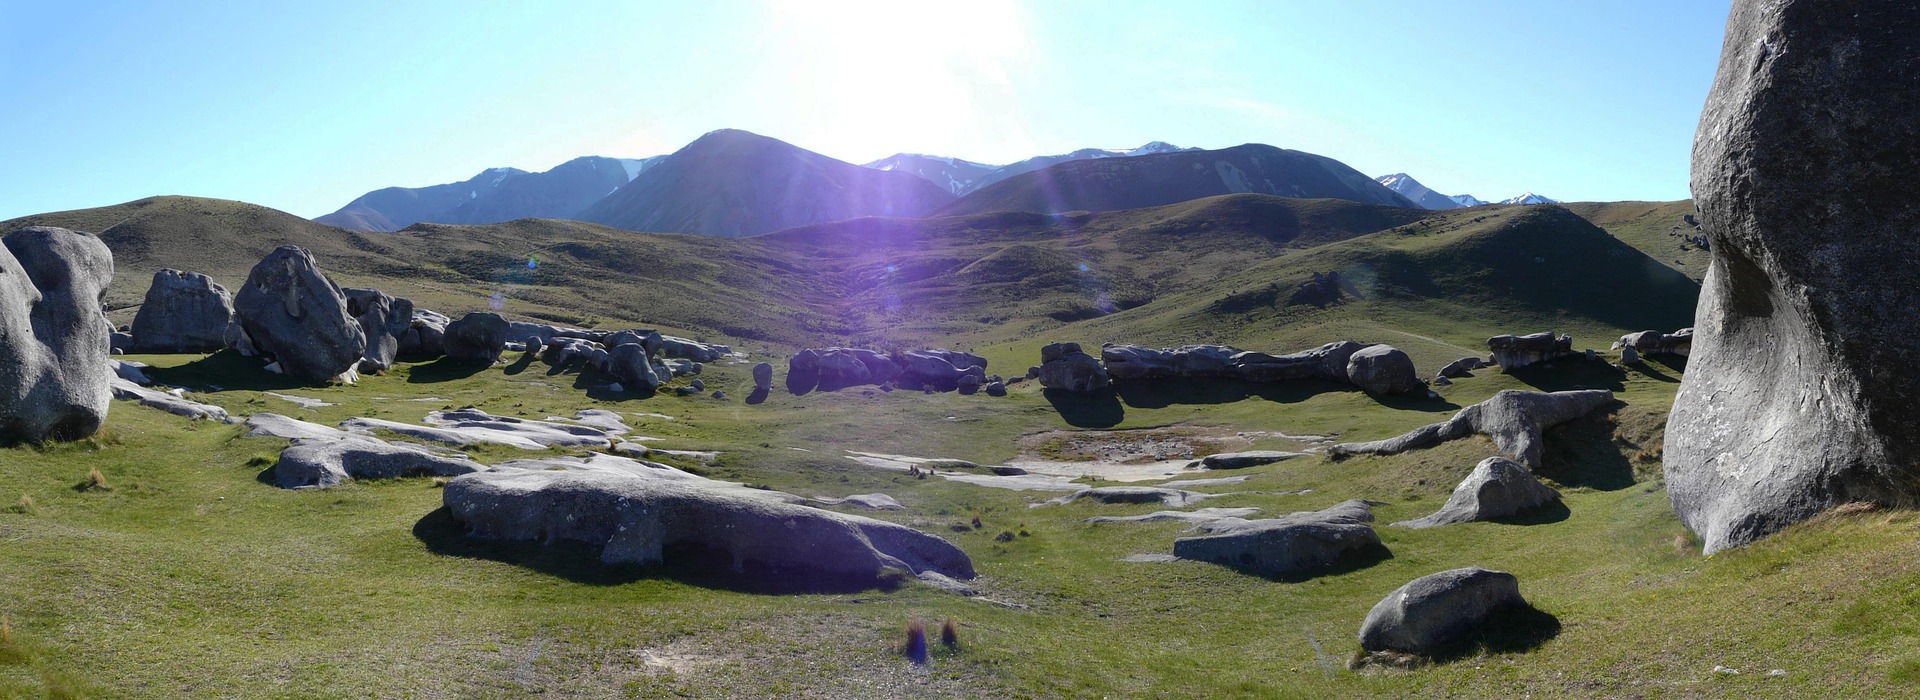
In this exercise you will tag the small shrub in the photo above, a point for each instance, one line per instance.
(949, 634)
(25, 506)
(915, 648)
(95, 481)
(439, 482)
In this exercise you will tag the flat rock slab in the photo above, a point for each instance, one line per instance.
(473, 426)
(301, 401)
(1108, 470)
(276, 425)
(1199, 516)
(1172, 498)
(869, 501)
(606, 421)
(1242, 460)
(1216, 481)
(1017, 482)
(167, 401)
(637, 512)
(326, 462)
(1284, 546)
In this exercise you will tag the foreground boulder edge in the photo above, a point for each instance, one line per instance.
(55, 366)
(1799, 394)
(1437, 610)
(637, 519)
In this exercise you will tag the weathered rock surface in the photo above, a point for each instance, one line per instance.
(1463, 367)
(1242, 460)
(1516, 351)
(470, 426)
(276, 425)
(1433, 611)
(1497, 488)
(168, 401)
(1197, 516)
(383, 319)
(1327, 362)
(639, 513)
(184, 312)
(293, 314)
(324, 463)
(763, 376)
(630, 365)
(1171, 498)
(1287, 545)
(1679, 342)
(55, 353)
(1800, 394)
(1063, 366)
(1383, 370)
(480, 335)
(1513, 419)
(425, 336)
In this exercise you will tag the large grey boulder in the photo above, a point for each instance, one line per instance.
(1328, 362)
(1434, 611)
(762, 376)
(1284, 546)
(293, 314)
(630, 365)
(480, 335)
(55, 361)
(938, 368)
(1064, 367)
(1497, 488)
(1679, 342)
(383, 319)
(1515, 351)
(1383, 370)
(1463, 367)
(425, 336)
(640, 513)
(832, 369)
(684, 349)
(1800, 391)
(1513, 419)
(184, 312)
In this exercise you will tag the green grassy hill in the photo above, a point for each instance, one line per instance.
(1656, 228)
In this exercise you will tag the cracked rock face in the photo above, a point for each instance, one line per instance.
(1497, 488)
(1283, 546)
(55, 366)
(184, 312)
(1432, 611)
(1799, 393)
(294, 314)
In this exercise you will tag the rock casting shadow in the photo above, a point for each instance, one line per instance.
(1581, 452)
(800, 383)
(759, 396)
(227, 369)
(1651, 367)
(520, 365)
(1506, 631)
(1544, 514)
(1099, 409)
(580, 563)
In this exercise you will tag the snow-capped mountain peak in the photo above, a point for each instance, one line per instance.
(1530, 198)
(1466, 200)
(1412, 189)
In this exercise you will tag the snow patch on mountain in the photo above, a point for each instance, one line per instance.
(1530, 198)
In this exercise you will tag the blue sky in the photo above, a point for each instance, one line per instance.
(304, 107)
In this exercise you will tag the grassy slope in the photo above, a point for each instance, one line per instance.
(1646, 225)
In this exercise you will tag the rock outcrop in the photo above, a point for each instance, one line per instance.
(383, 319)
(170, 401)
(1463, 367)
(1515, 351)
(1497, 488)
(293, 314)
(1679, 342)
(324, 463)
(480, 335)
(55, 353)
(762, 377)
(1513, 419)
(1383, 370)
(1242, 460)
(1327, 362)
(1064, 367)
(184, 312)
(642, 513)
(1284, 546)
(1434, 611)
(832, 369)
(1801, 394)
(425, 336)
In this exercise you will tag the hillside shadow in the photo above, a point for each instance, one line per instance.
(227, 369)
(1652, 366)
(1570, 374)
(1098, 409)
(446, 369)
(1582, 452)
(1162, 393)
(580, 563)
(1508, 630)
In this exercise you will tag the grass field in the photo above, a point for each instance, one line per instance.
(191, 577)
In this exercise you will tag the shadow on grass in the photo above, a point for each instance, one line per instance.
(446, 369)
(1098, 409)
(1651, 367)
(580, 563)
(801, 383)
(520, 365)
(1508, 630)
(1569, 374)
(759, 396)
(227, 369)
(1544, 514)
(1161, 393)
(1582, 452)
(599, 388)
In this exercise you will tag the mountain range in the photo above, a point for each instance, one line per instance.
(496, 194)
(1429, 199)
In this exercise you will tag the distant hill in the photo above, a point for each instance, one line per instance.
(495, 195)
(1153, 180)
(1038, 162)
(956, 176)
(1412, 189)
(734, 183)
(1659, 229)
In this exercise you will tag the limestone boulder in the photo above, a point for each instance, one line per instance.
(1285, 546)
(1064, 367)
(763, 376)
(480, 335)
(1512, 352)
(1513, 419)
(1497, 488)
(184, 312)
(425, 336)
(383, 319)
(56, 361)
(1434, 611)
(324, 463)
(293, 314)
(1383, 370)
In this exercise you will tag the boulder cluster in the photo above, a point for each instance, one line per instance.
(832, 369)
(1375, 369)
(1512, 352)
(1633, 346)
